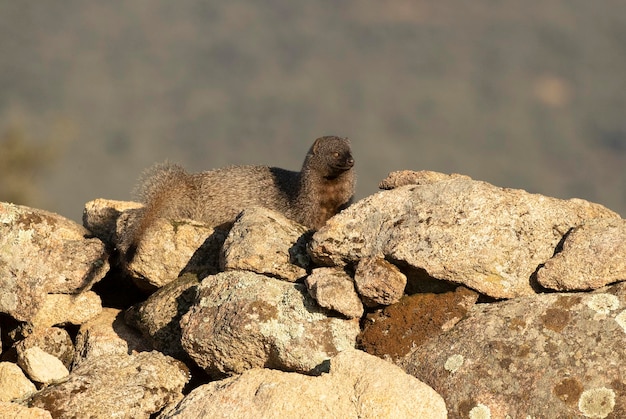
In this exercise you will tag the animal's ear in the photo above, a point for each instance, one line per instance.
(316, 145)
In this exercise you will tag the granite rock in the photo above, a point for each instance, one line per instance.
(560, 353)
(593, 255)
(266, 242)
(119, 385)
(73, 261)
(333, 289)
(357, 386)
(460, 230)
(379, 282)
(242, 320)
(171, 248)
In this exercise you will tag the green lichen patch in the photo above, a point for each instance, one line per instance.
(597, 402)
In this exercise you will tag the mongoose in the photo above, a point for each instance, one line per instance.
(323, 187)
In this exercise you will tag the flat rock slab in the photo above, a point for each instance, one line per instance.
(593, 255)
(41, 253)
(561, 353)
(242, 320)
(357, 386)
(457, 229)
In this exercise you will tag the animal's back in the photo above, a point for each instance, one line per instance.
(225, 192)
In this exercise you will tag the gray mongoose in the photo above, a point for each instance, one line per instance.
(322, 188)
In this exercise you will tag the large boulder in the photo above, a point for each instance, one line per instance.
(560, 353)
(357, 386)
(41, 254)
(453, 228)
(119, 385)
(242, 320)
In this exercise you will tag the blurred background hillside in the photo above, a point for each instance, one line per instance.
(525, 95)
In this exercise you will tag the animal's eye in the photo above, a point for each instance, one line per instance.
(336, 154)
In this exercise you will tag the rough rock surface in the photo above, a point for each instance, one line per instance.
(357, 386)
(107, 334)
(100, 217)
(17, 411)
(13, 383)
(396, 330)
(266, 242)
(559, 353)
(171, 248)
(122, 386)
(65, 308)
(241, 320)
(593, 255)
(379, 282)
(409, 177)
(53, 340)
(469, 232)
(72, 263)
(158, 318)
(40, 366)
(333, 289)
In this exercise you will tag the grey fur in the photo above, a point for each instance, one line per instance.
(323, 187)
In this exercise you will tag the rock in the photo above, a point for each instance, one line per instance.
(171, 248)
(158, 318)
(65, 308)
(100, 217)
(379, 282)
(40, 366)
(107, 334)
(593, 255)
(13, 383)
(52, 340)
(122, 386)
(333, 289)
(559, 352)
(17, 411)
(266, 242)
(357, 386)
(242, 320)
(400, 328)
(409, 177)
(72, 262)
(468, 232)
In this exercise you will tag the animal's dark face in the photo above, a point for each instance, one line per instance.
(335, 153)
(342, 160)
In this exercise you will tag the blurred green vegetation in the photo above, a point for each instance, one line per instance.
(527, 95)
(22, 163)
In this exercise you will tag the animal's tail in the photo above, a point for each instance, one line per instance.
(164, 191)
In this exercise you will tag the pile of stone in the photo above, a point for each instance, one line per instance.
(440, 296)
